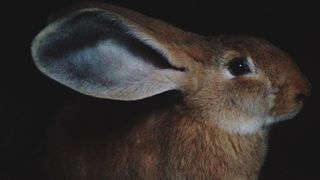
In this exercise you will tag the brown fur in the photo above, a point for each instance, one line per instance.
(182, 139)
(156, 145)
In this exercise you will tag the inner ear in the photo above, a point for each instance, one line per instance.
(150, 55)
(100, 54)
(95, 29)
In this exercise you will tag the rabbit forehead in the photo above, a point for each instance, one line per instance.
(260, 50)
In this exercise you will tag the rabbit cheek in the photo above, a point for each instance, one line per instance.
(247, 108)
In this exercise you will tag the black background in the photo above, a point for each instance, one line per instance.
(29, 99)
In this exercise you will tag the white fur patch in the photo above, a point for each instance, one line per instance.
(245, 126)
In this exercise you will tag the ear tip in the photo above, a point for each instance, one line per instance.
(35, 51)
(44, 45)
(36, 47)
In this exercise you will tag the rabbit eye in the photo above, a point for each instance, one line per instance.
(238, 66)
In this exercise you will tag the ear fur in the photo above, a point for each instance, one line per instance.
(100, 53)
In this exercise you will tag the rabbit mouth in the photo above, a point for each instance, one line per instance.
(289, 115)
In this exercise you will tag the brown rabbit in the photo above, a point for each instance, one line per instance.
(201, 106)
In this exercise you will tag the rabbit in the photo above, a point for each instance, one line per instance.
(178, 105)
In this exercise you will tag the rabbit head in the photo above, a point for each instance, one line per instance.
(250, 84)
(240, 84)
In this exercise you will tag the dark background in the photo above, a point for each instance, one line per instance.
(29, 99)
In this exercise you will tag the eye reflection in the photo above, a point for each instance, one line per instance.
(239, 66)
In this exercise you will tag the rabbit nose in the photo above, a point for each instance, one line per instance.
(301, 97)
(304, 94)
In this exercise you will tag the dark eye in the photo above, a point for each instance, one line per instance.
(239, 66)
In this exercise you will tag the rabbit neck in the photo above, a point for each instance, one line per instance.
(160, 145)
(196, 148)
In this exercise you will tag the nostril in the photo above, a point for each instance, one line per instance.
(301, 97)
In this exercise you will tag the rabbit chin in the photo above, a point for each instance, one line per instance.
(246, 126)
(287, 116)
(252, 125)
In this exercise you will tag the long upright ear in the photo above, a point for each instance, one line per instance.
(99, 53)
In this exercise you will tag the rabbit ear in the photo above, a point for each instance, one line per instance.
(99, 53)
